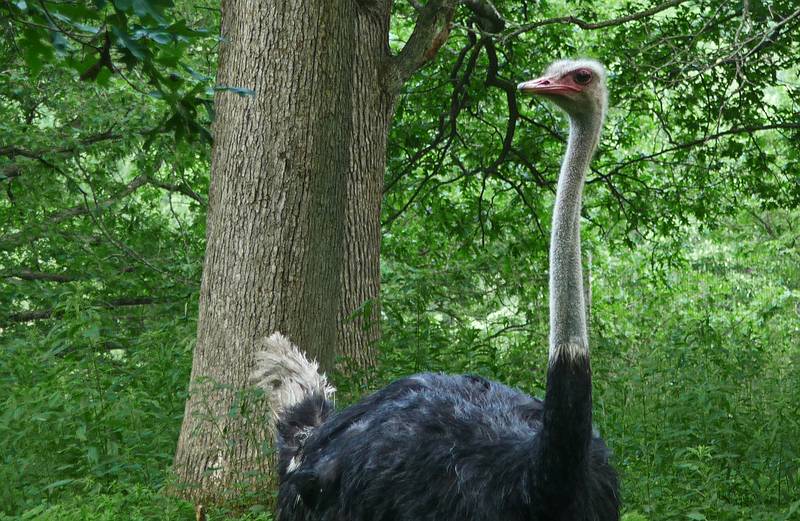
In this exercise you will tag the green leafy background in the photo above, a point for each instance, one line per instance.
(691, 223)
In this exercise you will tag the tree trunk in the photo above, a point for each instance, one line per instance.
(377, 79)
(293, 238)
(359, 326)
(276, 224)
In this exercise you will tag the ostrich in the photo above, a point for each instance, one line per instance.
(446, 448)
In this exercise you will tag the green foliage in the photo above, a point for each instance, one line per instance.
(690, 219)
(84, 404)
(697, 367)
(146, 43)
(698, 377)
(136, 503)
(702, 97)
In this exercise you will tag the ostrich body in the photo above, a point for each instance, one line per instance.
(462, 448)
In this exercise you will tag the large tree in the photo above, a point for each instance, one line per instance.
(293, 234)
(276, 218)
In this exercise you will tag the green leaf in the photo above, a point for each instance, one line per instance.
(59, 483)
(145, 9)
(86, 28)
(180, 28)
(241, 91)
(73, 11)
(59, 42)
(35, 51)
(103, 77)
(196, 75)
(92, 333)
(157, 36)
(93, 455)
(124, 5)
(794, 507)
(125, 41)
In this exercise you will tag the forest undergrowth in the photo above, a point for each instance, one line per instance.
(696, 364)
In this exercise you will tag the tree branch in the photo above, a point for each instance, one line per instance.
(15, 239)
(14, 151)
(43, 314)
(10, 172)
(447, 126)
(488, 18)
(40, 275)
(704, 140)
(430, 32)
(595, 25)
(510, 89)
(181, 189)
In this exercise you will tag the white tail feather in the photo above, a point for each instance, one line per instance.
(286, 375)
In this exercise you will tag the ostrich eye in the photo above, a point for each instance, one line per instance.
(583, 77)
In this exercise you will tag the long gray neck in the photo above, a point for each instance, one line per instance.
(563, 445)
(567, 308)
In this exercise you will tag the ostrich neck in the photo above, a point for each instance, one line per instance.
(567, 308)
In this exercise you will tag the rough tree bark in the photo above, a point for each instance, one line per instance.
(275, 223)
(359, 318)
(293, 233)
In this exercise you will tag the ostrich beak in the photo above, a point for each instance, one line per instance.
(546, 85)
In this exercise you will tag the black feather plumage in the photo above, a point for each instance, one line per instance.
(431, 447)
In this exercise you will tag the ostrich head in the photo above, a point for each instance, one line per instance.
(577, 86)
